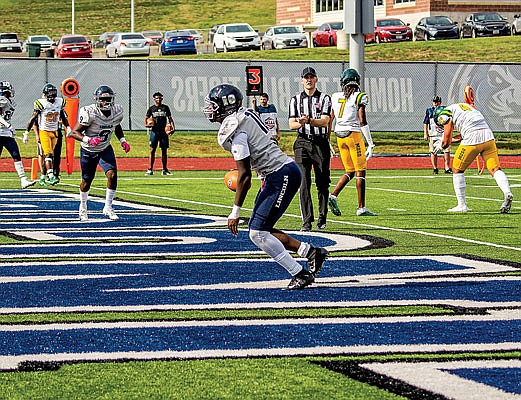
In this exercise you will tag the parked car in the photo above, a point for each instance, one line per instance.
(199, 39)
(178, 42)
(128, 44)
(516, 24)
(104, 39)
(211, 33)
(325, 34)
(10, 42)
(236, 37)
(391, 30)
(73, 46)
(436, 27)
(154, 36)
(283, 37)
(44, 41)
(484, 24)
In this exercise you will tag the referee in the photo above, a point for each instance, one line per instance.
(309, 114)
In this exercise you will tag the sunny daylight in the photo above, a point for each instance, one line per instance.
(308, 199)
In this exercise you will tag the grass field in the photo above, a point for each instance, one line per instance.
(412, 220)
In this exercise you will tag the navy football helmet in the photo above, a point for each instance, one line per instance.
(6, 89)
(222, 101)
(350, 77)
(104, 97)
(50, 92)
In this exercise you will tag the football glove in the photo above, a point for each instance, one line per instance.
(25, 137)
(68, 131)
(93, 141)
(124, 144)
(369, 152)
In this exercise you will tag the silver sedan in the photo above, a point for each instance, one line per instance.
(128, 44)
(283, 37)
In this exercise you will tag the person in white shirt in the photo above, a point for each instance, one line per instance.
(7, 132)
(475, 137)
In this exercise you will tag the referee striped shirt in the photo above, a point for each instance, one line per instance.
(315, 106)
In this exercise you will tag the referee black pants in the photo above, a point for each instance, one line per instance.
(314, 155)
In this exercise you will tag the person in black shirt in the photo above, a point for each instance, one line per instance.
(159, 119)
(309, 114)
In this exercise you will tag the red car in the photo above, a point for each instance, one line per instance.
(325, 35)
(73, 46)
(391, 30)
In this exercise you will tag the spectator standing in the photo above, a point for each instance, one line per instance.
(434, 134)
(268, 115)
(96, 124)
(309, 115)
(475, 137)
(350, 129)
(159, 120)
(243, 134)
(7, 132)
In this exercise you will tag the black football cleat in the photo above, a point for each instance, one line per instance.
(301, 280)
(316, 258)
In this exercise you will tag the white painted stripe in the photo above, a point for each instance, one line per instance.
(436, 377)
(11, 362)
(48, 278)
(334, 282)
(497, 315)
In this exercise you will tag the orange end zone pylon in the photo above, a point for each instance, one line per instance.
(35, 167)
(71, 89)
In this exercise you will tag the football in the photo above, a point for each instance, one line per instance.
(230, 179)
(149, 122)
(169, 129)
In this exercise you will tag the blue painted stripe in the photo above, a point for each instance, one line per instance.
(263, 336)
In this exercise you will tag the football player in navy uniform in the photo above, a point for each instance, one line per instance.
(244, 135)
(350, 129)
(96, 124)
(7, 132)
(159, 117)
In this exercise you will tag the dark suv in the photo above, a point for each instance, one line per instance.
(485, 24)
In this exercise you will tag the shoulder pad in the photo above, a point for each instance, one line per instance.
(38, 105)
(227, 130)
(362, 99)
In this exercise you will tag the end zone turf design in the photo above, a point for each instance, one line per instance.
(122, 271)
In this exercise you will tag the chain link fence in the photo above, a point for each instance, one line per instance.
(398, 93)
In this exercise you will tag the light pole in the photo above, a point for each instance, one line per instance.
(72, 17)
(131, 15)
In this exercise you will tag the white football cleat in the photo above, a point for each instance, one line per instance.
(26, 183)
(459, 209)
(505, 207)
(364, 212)
(83, 215)
(109, 212)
